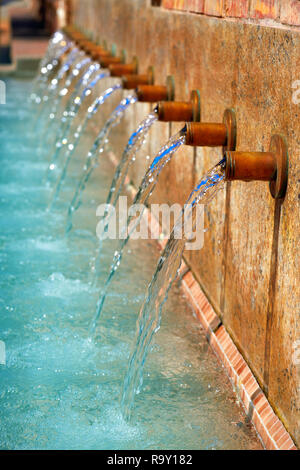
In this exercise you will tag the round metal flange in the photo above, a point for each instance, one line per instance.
(113, 50)
(150, 75)
(196, 103)
(278, 185)
(97, 40)
(123, 56)
(229, 119)
(170, 88)
(135, 61)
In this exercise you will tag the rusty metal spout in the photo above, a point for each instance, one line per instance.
(118, 70)
(155, 93)
(132, 81)
(201, 134)
(169, 111)
(269, 166)
(105, 62)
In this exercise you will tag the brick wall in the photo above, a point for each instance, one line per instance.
(285, 12)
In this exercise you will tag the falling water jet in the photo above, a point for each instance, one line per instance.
(194, 133)
(145, 190)
(72, 56)
(82, 90)
(47, 73)
(56, 82)
(73, 82)
(87, 81)
(146, 93)
(92, 159)
(127, 83)
(165, 111)
(135, 142)
(58, 49)
(76, 74)
(62, 140)
(78, 133)
(167, 269)
(269, 166)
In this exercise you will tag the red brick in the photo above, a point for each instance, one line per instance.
(272, 419)
(261, 9)
(270, 445)
(213, 7)
(285, 439)
(262, 407)
(242, 367)
(237, 9)
(253, 388)
(280, 432)
(266, 414)
(276, 426)
(220, 333)
(290, 12)
(287, 445)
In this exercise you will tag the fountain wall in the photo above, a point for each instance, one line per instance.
(244, 55)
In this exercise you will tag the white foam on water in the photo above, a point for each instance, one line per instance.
(59, 286)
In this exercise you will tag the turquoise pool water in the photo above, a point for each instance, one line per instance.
(58, 390)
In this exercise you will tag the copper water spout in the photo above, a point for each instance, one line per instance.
(71, 30)
(108, 60)
(75, 35)
(105, 62)
(98, 53)
(269, 166)
(201, 134)
(90, 48)
(155, 93)
(118, 70)
(169, 111)
(82, 42)
(132, 81)
(87, 46)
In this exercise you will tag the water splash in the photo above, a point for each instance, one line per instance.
(145, 190)
(92, 159)
(135, 142)
(166, 271)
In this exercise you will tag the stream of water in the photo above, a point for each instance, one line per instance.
(167, 269)
(93, 160)
(71, 144)
(145, 190)
(135, 142)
